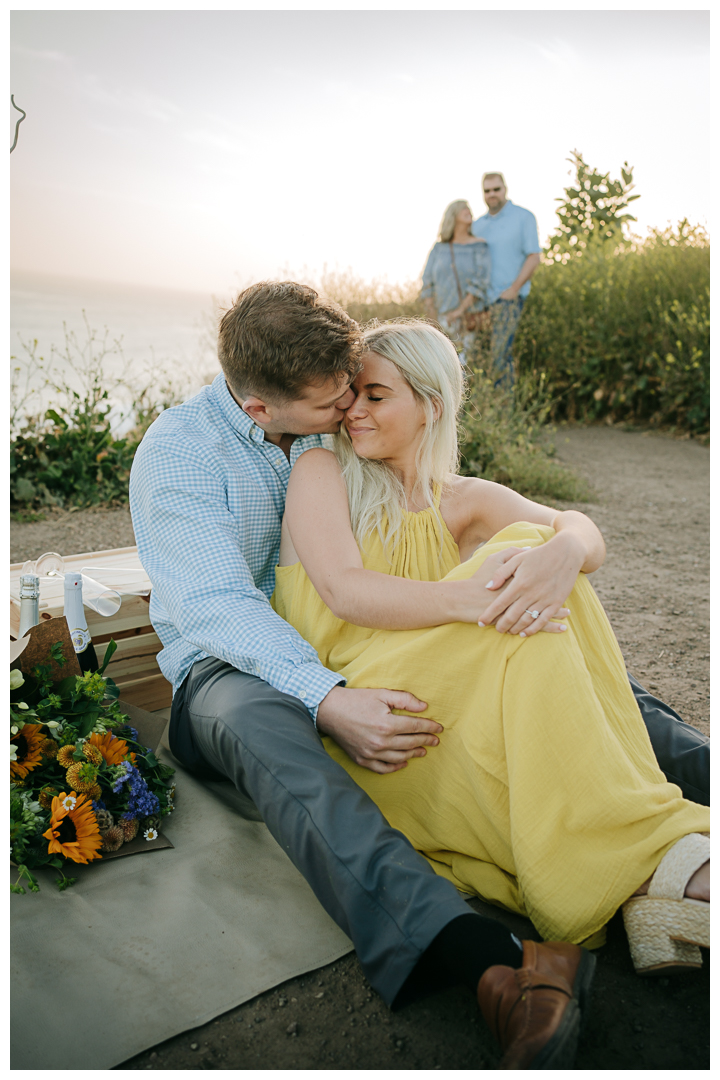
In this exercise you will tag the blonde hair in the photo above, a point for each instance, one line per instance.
(428, 362)
(447, 225)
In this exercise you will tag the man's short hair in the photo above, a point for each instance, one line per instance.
(494, 176)
(280, 337)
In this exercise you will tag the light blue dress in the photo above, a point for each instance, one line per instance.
(472, 262)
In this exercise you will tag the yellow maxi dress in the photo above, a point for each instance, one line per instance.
(543, 795)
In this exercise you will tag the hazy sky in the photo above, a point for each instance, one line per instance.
(203, 150)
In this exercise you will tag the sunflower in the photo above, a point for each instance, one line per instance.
(49, 748)
(113, 749)
(82, 776)
(73, 832)
(28, 754)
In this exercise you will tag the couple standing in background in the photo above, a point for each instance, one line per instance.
(477, 275)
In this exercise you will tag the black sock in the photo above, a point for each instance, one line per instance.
(461, 953)
(470, 944)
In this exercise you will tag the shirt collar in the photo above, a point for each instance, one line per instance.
(246, 428)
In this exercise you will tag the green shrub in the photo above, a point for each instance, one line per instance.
(506, 438)
(70, 455)
(624, 333)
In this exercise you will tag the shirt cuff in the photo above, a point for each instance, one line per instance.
(312, 686)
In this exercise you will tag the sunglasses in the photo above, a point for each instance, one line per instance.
(491, 190)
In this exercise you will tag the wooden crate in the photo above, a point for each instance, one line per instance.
(134, 666)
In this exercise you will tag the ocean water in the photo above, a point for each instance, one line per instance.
(152, 336)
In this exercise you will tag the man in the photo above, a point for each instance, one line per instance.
(512, 237)
(251, 698)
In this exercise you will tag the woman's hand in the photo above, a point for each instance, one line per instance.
(535, 579)
(497, 575)
(452, 316)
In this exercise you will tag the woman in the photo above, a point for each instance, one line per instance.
(456, 277)
(543, 795)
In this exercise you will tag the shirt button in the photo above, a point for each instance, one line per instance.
(303, 694)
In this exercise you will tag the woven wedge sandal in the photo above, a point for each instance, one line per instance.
(665, 928)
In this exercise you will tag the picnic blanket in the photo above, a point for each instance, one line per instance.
(147, 946)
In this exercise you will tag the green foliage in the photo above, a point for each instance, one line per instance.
(623, 333)
(70, 455)
(590, 213)
(505, 438)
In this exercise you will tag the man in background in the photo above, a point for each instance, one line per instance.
(512, 236)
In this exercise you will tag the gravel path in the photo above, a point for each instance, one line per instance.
(651, 503)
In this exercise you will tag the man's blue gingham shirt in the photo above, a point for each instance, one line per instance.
(207, 495)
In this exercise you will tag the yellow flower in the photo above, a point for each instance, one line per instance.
(28, 754)
(113, 749)
(74, 832)
(65, 756)
(81, 776)
(92, 753)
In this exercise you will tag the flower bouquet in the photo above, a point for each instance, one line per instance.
(81, 784)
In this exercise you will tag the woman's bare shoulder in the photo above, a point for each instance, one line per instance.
(317, 457)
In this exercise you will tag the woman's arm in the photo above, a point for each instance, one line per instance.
(542, 577)
(317, 531)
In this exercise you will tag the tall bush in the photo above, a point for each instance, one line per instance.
(624, 331)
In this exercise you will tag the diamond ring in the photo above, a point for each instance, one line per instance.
(535, 614)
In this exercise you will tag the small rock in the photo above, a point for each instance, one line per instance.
(193, 1046)
(292, 1028)
(349, 1008)
(321, 994)
(282, 1002)
(259, 1019)
(153, 1056)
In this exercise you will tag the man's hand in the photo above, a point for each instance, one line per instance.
(535, 579)
(363, 724)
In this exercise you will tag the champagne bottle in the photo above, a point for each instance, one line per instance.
(29, 603)
(77, 623)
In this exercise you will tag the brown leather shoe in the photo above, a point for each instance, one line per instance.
(534, 1011)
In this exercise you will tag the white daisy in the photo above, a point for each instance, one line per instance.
(150, 834)
(68, 803)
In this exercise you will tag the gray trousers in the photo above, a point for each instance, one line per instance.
(367, 876)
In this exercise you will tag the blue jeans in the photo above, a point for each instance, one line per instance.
(505, 318)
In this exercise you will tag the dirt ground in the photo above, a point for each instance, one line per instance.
(652, 504)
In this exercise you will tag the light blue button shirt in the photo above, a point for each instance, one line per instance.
(511, 235)
(207, 495)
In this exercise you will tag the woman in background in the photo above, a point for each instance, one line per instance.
(456, 277)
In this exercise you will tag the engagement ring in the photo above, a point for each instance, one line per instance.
(535, 614)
